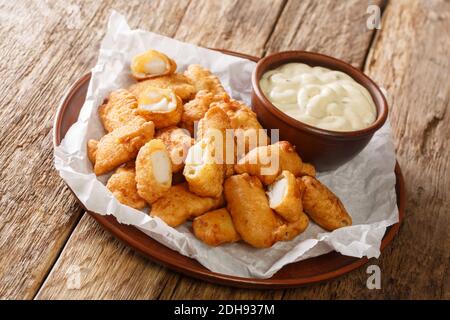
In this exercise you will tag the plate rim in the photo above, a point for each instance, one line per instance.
(121, 231)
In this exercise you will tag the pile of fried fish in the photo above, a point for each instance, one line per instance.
(227, 186)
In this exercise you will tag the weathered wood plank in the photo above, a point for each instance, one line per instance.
(192, 289)
(95, 265)
(44, 47)
(410, 58)
(230, 22)
(241, 26)
(336, 28)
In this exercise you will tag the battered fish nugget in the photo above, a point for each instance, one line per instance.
(203, 79)
(285, 197)
(289, 230)
(179, 205)
(92, 150)
(216, 125)
(122, 145)
(307, 170)
(177, 141)
(202, 171)
(151, 64)
(289, 158)
(118, 110)
(214, 122)
(266, 162)
(323, 206)
(179, 83)
(162, 106)
(248, 131)
(250, 211)
(153, 171)
(195, 109)
(122, 184)
(215, 228)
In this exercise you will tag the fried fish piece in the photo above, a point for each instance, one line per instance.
(195, 109)
(322, 205)
(122, 145)
(151, 64)
(122, 184)
(179, 83)
(202, 171)
(209, 90)
(203, 79)
(177, 141)
(216, 125)
(289, 158)
(153, 171)
(307, 170)
(248, 131)
(285, 197)
(289, 230)
(290, 215)
(215, 228)
(179, 205)
(118, 110)
(250, 211)
(92, 150)
(266, 162)
(162, 106)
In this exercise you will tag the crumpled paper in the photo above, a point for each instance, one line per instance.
(366, 184)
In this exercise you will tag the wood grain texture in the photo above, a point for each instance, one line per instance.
(242, 26)
(81, 249)
(95, 265)
(336, 28)
(411, 59)
(44, 47)
(59, 42)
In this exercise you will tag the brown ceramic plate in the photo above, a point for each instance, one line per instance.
(309, 271)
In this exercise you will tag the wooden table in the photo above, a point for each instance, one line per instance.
(44, 234)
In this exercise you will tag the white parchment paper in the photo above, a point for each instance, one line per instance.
(366, 185)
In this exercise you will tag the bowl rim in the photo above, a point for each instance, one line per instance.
(305, 57)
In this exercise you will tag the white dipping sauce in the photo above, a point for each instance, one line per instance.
(320, 97)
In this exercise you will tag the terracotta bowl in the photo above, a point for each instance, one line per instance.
(326, 149)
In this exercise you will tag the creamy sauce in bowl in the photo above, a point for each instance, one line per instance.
(319, 97)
